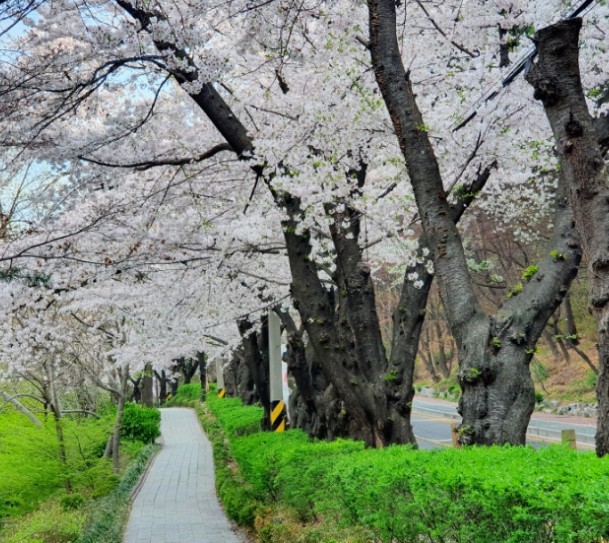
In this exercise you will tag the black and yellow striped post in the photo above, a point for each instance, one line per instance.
(278, 408)
(278, 416)
(220, 378)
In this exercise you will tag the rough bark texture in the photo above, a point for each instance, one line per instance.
(344, 332)
(255, 353)
(238, 378)
(314, 406)
(579, 142)
(374, 393)
(202, 361)
(494, 351)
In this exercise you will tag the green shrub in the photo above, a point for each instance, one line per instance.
(397, 494)
(141, 423)
(486, 495)
(235, 493)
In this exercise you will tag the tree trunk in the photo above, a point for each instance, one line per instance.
(426, 355)
(202, 363)
(188, 367)
(375, 393)
(137, 391)
(557, 83)
(61, 447)
(147, 392)
(173, 385)
(162, 380)
(238, 378)
(255, 352)
(559, 336)
(113, 446)
(494, 351)
(314, 406)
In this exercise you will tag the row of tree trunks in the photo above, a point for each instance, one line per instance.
(255, 355)
(375, 391)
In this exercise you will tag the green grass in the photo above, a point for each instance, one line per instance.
(293, 490)
(108, 515)
(42, 500)
(30, 467)
(48, 524)
(186, 396)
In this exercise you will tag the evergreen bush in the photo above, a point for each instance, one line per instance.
(141, 423)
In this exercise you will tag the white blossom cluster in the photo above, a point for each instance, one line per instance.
(126, 247)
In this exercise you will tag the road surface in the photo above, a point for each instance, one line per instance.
(431, 419)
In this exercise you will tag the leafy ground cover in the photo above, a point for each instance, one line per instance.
(186, 396)
(45, 500)
(291, 490)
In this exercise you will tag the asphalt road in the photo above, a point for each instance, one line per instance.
(431, 420)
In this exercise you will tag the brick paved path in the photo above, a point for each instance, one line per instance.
(177, 502)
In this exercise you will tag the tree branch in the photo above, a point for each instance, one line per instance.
(146, 165)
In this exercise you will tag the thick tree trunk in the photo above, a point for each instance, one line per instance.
(314, 406)
(202, 362)
(238, 379)
(375, 393)
(496, 403)
(147, 392)
(255, 352)
(162, 380)
(557, 82)
(345, 341)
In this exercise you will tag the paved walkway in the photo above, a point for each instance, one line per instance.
(177, 502)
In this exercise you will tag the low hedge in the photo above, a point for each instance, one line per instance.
(295, 490)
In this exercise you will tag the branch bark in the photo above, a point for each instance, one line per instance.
(556, 80)
(494, 351)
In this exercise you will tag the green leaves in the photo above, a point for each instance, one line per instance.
(482, 495)
(141, 423)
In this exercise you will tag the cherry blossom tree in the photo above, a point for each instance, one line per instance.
(160, 226)
(494, 351)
